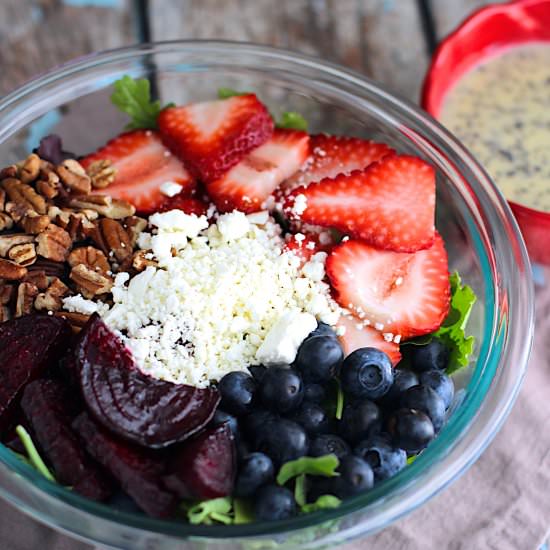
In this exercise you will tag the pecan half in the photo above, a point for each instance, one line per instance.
(7, 242)
(134, 226)
(89, 282)
(23, 254)
(106, 206)
(102, 173)
(25, 198)
(91, 257)
(50, 268)
(34, 223)
(140, 261)
(73, 176)
(48, 185)
(52, 299)
(76, 320)
(11, 271)
(26, 293)
(54, 243)
(116, 239)
(30, 168)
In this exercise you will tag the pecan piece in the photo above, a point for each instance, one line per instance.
(25, 198)
(106, 206)
(34, 223)
(11, 271)
(30, 168)
(5, 221)
(116, 239)
(2, 200)
(89, 282)
(7, 292)
(26, 293)
(91, 257)
(73, 176)
(9, 172)
(23, 254)
(76, 320)
(5, 314)
(7, 242)
(52, 299)
(54, 243)
(134, 226)
(140, 261)
(102, 173)
(37, 278)
(48, 184)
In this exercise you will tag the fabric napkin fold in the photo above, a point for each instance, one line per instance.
(501, 503)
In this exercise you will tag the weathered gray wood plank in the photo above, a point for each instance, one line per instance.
(37, 35)
(381, 38)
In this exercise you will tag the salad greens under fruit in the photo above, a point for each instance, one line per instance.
(346, 413)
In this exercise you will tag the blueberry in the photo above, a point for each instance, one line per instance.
(253, 424)
(255, 470)
(368, 373)
(243, 449)
(355, 477)
(221, 417)
(319, 358)
(316, 393)
(360, 420)
(257, 372)
(402, 381)
(384, 459)
(323, 330)
(312, 417)
(423, 398)
(410, 429)
(326, 444)
(440, 383)
(274, 503)
(283, 440)
(237, 390)
(282, 389)
(434, 355)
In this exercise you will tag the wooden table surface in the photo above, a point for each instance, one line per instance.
(388, 40)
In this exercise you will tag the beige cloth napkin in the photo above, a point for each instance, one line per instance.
(501, 503)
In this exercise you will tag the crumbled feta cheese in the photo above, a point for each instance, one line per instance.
(177, 220)
(300, 204)
(170, 188)
(233, 226)
(259, 218)
(78, 304)
(281, 343)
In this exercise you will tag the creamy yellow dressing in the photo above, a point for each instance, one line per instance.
(501, 112)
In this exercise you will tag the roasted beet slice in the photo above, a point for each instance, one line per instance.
(139, 408)
(45, 406)
(136, 469)
(204, 467)
(28, 346)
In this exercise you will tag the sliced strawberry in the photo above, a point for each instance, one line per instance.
(334, 155)
(190, 205)
(400, 294)
(325, 239)
(142, 165)
(213, 136)
(248, 184)
(357, 335)
(301, 246)
(390, 205)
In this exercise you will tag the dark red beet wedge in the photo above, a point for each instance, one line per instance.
(28, 346)
(137, 471)
(204, 467)
(46, 407)
(139, 408)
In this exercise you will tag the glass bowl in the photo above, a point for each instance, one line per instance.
(481, 236)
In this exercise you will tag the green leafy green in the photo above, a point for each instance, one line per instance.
(451, 331)
(339, 401)
(324, 502)
(242, 511)
(226, 93)
(133, 97)
(292, 121)
(210, 511)
(316, 466)
(33, 456)
(300, 490)
(411, 459)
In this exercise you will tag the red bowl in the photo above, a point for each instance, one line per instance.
(482, 35)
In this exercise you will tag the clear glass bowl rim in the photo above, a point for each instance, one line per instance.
(444, 463)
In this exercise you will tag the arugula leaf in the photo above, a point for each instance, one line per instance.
(291, 120)
(209, 511)
(339, 401)
(324, 502)
(226, 93)
(451, 331)
(300, 490)
(243, 511)
(133, 97)
(316, 466)
(411, 459)
(33, 456)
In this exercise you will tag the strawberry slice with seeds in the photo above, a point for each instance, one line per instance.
(142, 165)
(391, 204)
(357, 335)
(189, 205)
(334, 155)
(248, 184)
(211, 137)
(399, 294)
(302, 246)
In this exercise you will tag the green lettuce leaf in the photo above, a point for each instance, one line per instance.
(133, 97)
(324, 502)
(316, 466)
(33, 456)
(292, 121)
(452, 331)
(226, 93)
(300, 490)
(209, 511)
(243, 511)
(339, 401)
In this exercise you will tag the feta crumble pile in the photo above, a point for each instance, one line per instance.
(224, 296)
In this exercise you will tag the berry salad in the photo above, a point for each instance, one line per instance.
(220, 318)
